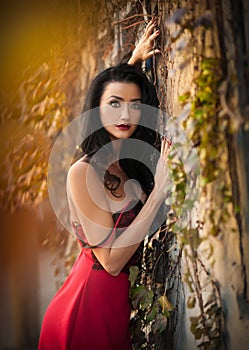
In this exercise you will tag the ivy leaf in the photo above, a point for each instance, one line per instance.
(184, 98)
(177, 16)
(152, 314)
(160, 323)
(141, 296)
(165, 304)
(134, 271)
(191, 302)
(205, 20)
(195, 327)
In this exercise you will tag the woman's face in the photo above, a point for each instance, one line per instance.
(120, 109)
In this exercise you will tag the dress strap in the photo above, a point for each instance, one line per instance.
(85, 244)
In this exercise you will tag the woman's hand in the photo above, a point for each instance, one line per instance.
(145, 47)
(162, 179)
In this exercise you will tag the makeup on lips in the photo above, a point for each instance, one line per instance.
(123, 127)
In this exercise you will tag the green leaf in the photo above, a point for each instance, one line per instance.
(142, 296)
(236, 209)
(152, 314)
(134, 271)
(184, 98)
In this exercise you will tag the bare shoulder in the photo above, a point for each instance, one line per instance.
(82, 171)
(85, 186)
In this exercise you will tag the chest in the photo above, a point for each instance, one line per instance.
(120, 190)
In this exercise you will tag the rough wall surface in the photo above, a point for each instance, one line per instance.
(193, 32)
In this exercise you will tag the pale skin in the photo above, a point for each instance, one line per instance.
(145, 47)
(94, 212)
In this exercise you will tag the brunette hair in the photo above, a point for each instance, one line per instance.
(97, 136)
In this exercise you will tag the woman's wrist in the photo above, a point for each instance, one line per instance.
(157, 196)
(133, 60)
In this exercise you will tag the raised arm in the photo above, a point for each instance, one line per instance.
(145, 47)
(96, 219)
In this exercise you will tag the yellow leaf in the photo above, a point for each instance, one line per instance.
(165, 304)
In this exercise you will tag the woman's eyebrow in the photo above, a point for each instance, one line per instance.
(121, 98)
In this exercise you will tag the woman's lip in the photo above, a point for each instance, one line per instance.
(123, 127)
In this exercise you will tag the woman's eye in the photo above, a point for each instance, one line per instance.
(115, 104)
(135, 106)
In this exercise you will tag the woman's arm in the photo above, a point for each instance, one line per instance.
(89, 198)
(145, 47)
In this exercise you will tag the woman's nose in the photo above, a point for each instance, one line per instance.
(125, 113)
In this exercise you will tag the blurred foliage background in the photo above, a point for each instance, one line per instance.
(50, 50)
(40, 89)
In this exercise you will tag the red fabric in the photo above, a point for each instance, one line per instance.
(91, 311)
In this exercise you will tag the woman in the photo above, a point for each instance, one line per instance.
(110, 214)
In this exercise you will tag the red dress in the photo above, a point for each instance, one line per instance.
(91, 311)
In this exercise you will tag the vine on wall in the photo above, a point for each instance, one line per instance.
(156, 305)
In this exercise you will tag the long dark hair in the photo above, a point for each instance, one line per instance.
(97, 136)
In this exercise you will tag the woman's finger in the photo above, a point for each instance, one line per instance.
(148, 31)
(153, 36)
(169, 146)
(149, 25)
(153, 52)
(167, 151)
(165, 147)
(162, 146)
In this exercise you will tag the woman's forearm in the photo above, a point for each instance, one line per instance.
(138, 229)
(127, 243)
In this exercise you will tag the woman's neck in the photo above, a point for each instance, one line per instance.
(116, 149)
